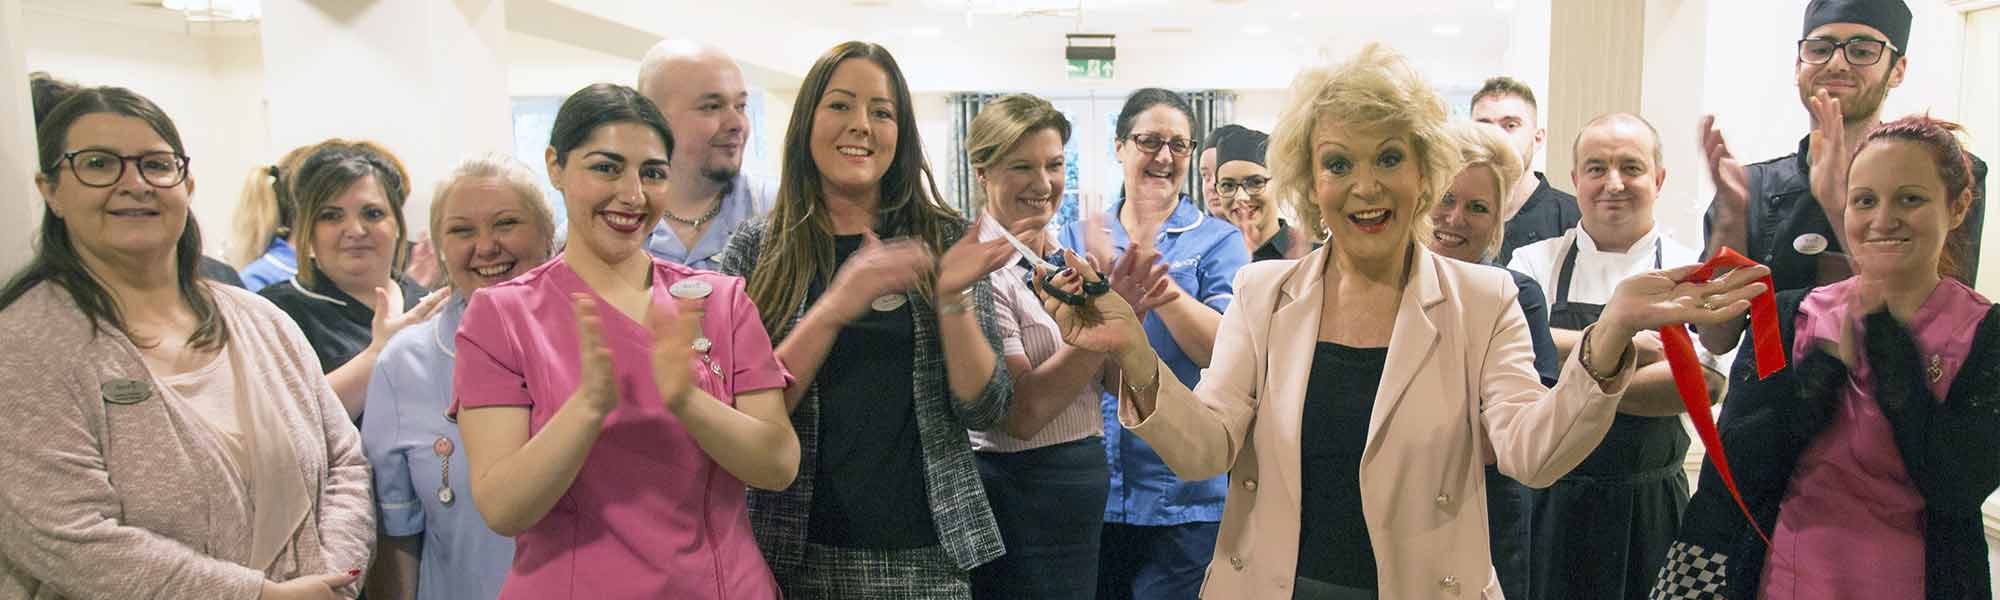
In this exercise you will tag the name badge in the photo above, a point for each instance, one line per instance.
(126, 391)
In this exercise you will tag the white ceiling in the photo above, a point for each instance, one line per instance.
(949, 45)
(1017, 44)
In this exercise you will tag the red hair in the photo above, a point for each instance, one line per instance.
(1954, 167)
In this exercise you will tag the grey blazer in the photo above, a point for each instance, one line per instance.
(964, 521)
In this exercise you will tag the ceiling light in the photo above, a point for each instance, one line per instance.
(1448, 30)
(216, 10)
(1255, 29)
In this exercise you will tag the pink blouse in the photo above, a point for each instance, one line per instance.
(1851, 525)
(650, 515)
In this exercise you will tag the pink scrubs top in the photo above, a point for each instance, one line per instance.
(650, 515)
(1851, 525)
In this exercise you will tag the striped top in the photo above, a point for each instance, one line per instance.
(1026, 330)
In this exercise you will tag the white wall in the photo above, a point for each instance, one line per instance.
(211, 85)
(19, 217)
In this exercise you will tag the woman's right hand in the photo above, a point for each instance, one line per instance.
(391, 318)
(597, 386)
(1106, 324)
(1659, 298)
(309, 587)
(878, 269)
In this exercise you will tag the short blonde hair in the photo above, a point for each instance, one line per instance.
(1485, 145)
(1377, 90)
(513, 175)
(1001, 125)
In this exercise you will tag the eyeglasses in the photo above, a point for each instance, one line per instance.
(1860, 52)
(1151, 143)
(1253, 185)
(100, 168)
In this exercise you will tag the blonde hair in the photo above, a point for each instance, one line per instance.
(513, 175)
(1377, 91)
(1485, 145)
(263, 209)
(1001, 125)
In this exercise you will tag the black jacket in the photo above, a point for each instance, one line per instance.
(1782, 208)
(1766, 425)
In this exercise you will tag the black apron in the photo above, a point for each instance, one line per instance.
(1602, 531)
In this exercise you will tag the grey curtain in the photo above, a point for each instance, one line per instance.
(958, 172)
(1212, 109)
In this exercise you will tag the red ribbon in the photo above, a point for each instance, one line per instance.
(1693, 388)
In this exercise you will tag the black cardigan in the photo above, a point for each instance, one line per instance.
(1765, 425)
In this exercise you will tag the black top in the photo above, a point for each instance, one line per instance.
(1274, 248)
(1782, 208)
(218, 271)
(1548, 213)
(1767, 424)
(337, 325)
(1535, 308)
(869, 474)
(1340, 396)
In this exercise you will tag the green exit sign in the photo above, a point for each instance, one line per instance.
(1090, 68)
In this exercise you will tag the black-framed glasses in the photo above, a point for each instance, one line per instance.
(1860, 52)
(1253, 185)
(103, 168)
(1152, 143)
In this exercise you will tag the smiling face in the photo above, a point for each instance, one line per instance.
(705, 103)
(1860, 88)
(614, 186)
(1245, 206)
(1024, 185)
(1155, 176)
(488, 235)
(1368, 188)
(131, 217)
(854, 128)
(354, 234)
(1617, 181)
(1897, 213)
(1466, 218)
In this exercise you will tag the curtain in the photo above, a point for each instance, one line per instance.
(958, 170)
(1212, 108)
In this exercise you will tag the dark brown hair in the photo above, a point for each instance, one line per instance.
(798, 247)
(56, 260)
(327, 171)
(1503, 86)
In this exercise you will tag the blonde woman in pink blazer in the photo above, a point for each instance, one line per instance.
(1356, 394)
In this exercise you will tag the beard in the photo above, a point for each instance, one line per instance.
(1865, 104)
(722, 174)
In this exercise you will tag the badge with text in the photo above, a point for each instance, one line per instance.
(126, 391)
(691, 289)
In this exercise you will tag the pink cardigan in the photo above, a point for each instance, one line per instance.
(106, 499)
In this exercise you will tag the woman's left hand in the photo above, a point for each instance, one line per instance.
(1104, 324)
(970, 260)
(1659, 298)
(674, 332)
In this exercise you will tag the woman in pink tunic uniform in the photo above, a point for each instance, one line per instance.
(614, 406)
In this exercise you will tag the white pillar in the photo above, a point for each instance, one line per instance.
(425, 79)
(17, 145)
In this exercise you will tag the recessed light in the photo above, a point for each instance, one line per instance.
(1448, 30)
(1256, 29)
(1173, 29)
